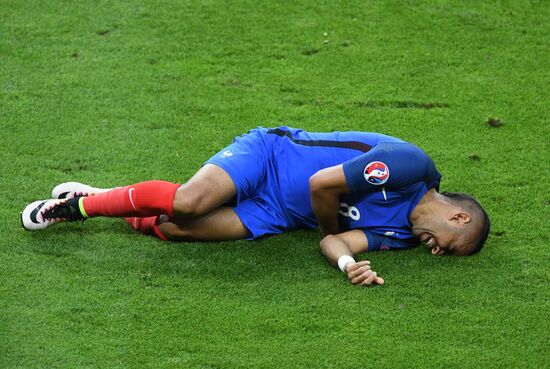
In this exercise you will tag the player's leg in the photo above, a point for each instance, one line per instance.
(250, 218)
(236, 170)
(219, 225)
(194, 199)
(209, 188)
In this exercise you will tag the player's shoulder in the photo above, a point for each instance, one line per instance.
(402, 148)
(411, 162)
(370, 138)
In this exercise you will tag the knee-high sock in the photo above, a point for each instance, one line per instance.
(143, 225)
(147, 225)
(138, 200)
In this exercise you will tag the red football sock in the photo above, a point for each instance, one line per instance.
(159, 234)
(144, 225)
(139, 200)
(147, 225)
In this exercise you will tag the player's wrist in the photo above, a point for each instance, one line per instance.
(343, 261)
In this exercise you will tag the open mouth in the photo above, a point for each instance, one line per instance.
(429, 240)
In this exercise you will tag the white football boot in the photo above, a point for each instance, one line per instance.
(69, 190)
(44, 213)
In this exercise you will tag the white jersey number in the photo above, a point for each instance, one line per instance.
(349, 211)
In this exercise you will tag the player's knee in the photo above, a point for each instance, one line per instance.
(188, 203)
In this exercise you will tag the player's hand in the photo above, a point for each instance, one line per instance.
(360, 273)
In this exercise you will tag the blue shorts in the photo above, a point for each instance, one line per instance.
(248, 161)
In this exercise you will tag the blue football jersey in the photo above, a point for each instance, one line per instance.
(387, 178)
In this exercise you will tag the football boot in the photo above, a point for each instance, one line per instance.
(69, 190)
(44, 213)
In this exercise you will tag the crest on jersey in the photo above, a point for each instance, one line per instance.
(376, 173)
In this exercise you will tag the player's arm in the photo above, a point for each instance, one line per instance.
(391, 166)
(339, 250)
(325, 188)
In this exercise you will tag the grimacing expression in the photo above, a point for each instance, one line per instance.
(447, 236)
(447, 242)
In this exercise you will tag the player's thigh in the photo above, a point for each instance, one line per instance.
(219, 225)
(208, 189)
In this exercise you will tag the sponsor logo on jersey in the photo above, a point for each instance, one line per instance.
(376, 173)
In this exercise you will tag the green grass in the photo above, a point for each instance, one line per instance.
(111, 93)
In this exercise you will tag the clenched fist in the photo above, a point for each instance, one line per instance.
(362, 274)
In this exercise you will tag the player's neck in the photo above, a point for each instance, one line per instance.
(427, 205)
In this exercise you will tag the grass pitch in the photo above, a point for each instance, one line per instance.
(111, 93)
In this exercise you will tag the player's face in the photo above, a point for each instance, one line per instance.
(444, 239)
(445, 243)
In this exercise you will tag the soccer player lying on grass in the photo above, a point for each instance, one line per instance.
(366, 191)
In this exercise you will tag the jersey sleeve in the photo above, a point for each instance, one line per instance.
(390, 165)
(381, 243)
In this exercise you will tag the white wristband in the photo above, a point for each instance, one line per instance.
(343, 261)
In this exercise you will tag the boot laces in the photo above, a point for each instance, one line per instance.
(67, 210)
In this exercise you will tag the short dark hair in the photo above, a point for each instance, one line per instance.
(471, 204)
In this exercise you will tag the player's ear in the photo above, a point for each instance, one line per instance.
(461, 218)
(437, 251)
